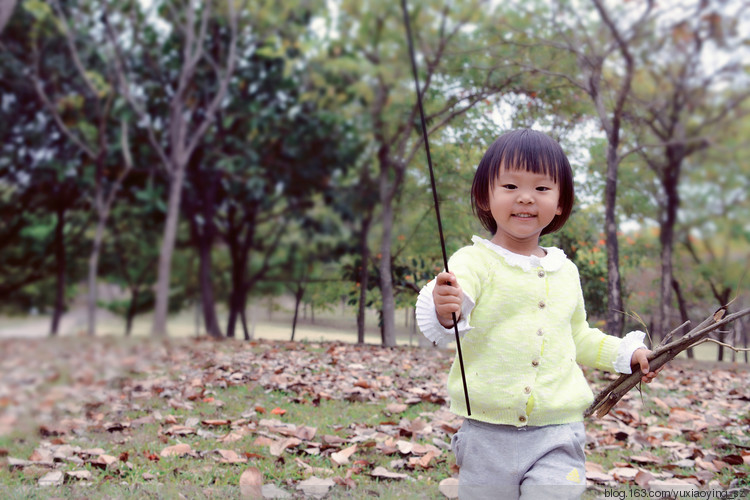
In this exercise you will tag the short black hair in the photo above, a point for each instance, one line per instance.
(528, 150)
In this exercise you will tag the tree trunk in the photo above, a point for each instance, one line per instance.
(386, 280)
(244, 323)
(6, 10)
(233, 311)
(670, 179)
(364, 276)
(159, 328)
(615, 307)
(683, 312)
(93, 272)
(61, 264)
(210, 319)
(131, 311)
(298, 294)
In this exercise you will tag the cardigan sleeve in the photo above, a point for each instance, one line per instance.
(463, 265)
(594, 348)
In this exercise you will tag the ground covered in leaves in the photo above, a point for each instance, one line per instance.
(114, 418)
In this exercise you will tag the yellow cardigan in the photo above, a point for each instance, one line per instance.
(529, 332)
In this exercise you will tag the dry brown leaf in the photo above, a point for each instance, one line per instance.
(645, 458)
(81, 475)
(54, 478)
(449, 487)
(623, 474)
(305, 432)
(176, 450)
(643, 478)
(315, 486)
(179, 430)
(216, 422)
(404, 447)
(231, 457)
(278, 447)
(424, 462)
(396, 408)
(251, 483)
(234, 436)
(342, 457)
(263, 441)
(386, 474)
(104, 460)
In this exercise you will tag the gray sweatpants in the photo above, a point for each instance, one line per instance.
(505, 462)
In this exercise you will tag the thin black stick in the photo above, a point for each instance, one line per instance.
(434, 191)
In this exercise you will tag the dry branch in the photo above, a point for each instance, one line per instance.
(660, 356)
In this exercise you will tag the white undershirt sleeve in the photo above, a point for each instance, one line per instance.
(428, 322)
(631, 342)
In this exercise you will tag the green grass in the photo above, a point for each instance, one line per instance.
(205, 477)
(136, 474)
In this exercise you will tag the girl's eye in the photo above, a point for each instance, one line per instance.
(542, 188)
(509, 186)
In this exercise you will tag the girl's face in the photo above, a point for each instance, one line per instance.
(523, 204)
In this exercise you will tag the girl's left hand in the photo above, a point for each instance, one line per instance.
(640, 358)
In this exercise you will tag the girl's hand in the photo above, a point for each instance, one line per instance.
(448, 298)
(640, 358)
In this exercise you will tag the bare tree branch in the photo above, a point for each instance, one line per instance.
(660, 356)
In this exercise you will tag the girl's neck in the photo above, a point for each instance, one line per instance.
(520, 248)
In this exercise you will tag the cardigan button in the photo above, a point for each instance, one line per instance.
(527, 390)
(535, 363)
(540, 274)
(522, 419)
(542, 304)
(539, 332)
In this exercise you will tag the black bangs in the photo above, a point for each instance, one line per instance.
(525, 150)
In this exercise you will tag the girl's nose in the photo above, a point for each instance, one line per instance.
(525, 196)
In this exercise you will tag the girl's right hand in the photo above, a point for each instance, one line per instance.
(448, 298)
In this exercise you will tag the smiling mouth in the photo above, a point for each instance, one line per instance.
(524, 216)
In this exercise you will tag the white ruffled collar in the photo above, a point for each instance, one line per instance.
(551, 262)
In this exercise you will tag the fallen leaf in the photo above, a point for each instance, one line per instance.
(177, 450)
(342, 457)
(278, 411)
(54, 478)
(624, 474)
(449, 487)
(231, 457)
(396, 408)
(278, 447)
(404, 447)
(273, 491)
(180, 430)
(424, 462)
(315, 486)
(251, 483)
(83, 475)
(386, 474)
(104, 460)
(643, 478)
(305, 432)
(645, 458)
(215, 422)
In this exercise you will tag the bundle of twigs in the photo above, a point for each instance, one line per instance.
(660, 356)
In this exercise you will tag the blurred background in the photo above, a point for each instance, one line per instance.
(255, 168)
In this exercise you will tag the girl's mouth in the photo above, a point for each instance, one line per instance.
(524, 216)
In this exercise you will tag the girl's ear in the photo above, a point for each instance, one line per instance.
(559, 210)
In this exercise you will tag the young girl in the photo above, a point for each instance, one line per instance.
(521, 309)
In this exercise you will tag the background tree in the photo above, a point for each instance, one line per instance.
(601, 65)
(170, 64)
(683, 102)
